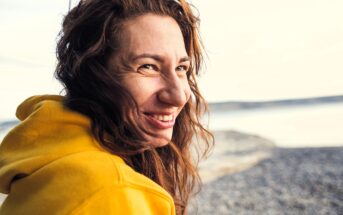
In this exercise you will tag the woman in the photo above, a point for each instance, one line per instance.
(121, 140)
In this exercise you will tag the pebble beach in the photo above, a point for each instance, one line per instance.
(282, 181)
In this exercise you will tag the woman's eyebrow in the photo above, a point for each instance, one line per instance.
(158, 58)
(185, 59)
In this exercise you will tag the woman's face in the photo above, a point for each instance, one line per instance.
(157, 63)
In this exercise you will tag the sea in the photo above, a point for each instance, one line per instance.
(317, 125)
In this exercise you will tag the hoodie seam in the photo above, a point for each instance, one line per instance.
(123, 182)
(116, 167)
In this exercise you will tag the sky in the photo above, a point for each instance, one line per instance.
(256, 50)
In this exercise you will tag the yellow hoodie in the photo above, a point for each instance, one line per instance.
(50, 164)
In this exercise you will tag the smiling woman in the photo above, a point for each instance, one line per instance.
(121, 140)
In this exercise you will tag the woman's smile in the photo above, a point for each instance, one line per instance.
(161, 121)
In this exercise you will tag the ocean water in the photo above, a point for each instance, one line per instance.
(318, 125)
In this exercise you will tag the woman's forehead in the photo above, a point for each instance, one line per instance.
(154, 34)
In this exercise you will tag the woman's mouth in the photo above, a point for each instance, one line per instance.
(160, 121)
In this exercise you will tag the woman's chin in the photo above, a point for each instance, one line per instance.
(161, 138)
(159, 141)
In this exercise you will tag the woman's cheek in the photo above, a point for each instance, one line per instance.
(144, 88)
(187, 90)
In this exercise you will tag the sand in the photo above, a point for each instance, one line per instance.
(233, 152)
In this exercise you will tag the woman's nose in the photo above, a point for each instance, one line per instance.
(174, 91)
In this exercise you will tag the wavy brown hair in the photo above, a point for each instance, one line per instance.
(90, 35)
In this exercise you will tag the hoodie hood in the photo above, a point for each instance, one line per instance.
(47, 131)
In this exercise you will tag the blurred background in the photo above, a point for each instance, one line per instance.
(274, 81)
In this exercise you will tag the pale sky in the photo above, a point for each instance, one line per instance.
(257, 50)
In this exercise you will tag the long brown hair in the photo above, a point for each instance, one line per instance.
(90, 35)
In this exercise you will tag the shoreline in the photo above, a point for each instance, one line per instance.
(285, 144)
(234, 151)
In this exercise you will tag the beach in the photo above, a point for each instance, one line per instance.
(266, 179)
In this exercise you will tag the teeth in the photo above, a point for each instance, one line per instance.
(164, 118)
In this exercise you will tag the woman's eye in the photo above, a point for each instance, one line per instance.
(182, 68)
(148, 67)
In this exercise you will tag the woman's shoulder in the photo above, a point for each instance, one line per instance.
(120, 189)
(103, 169)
